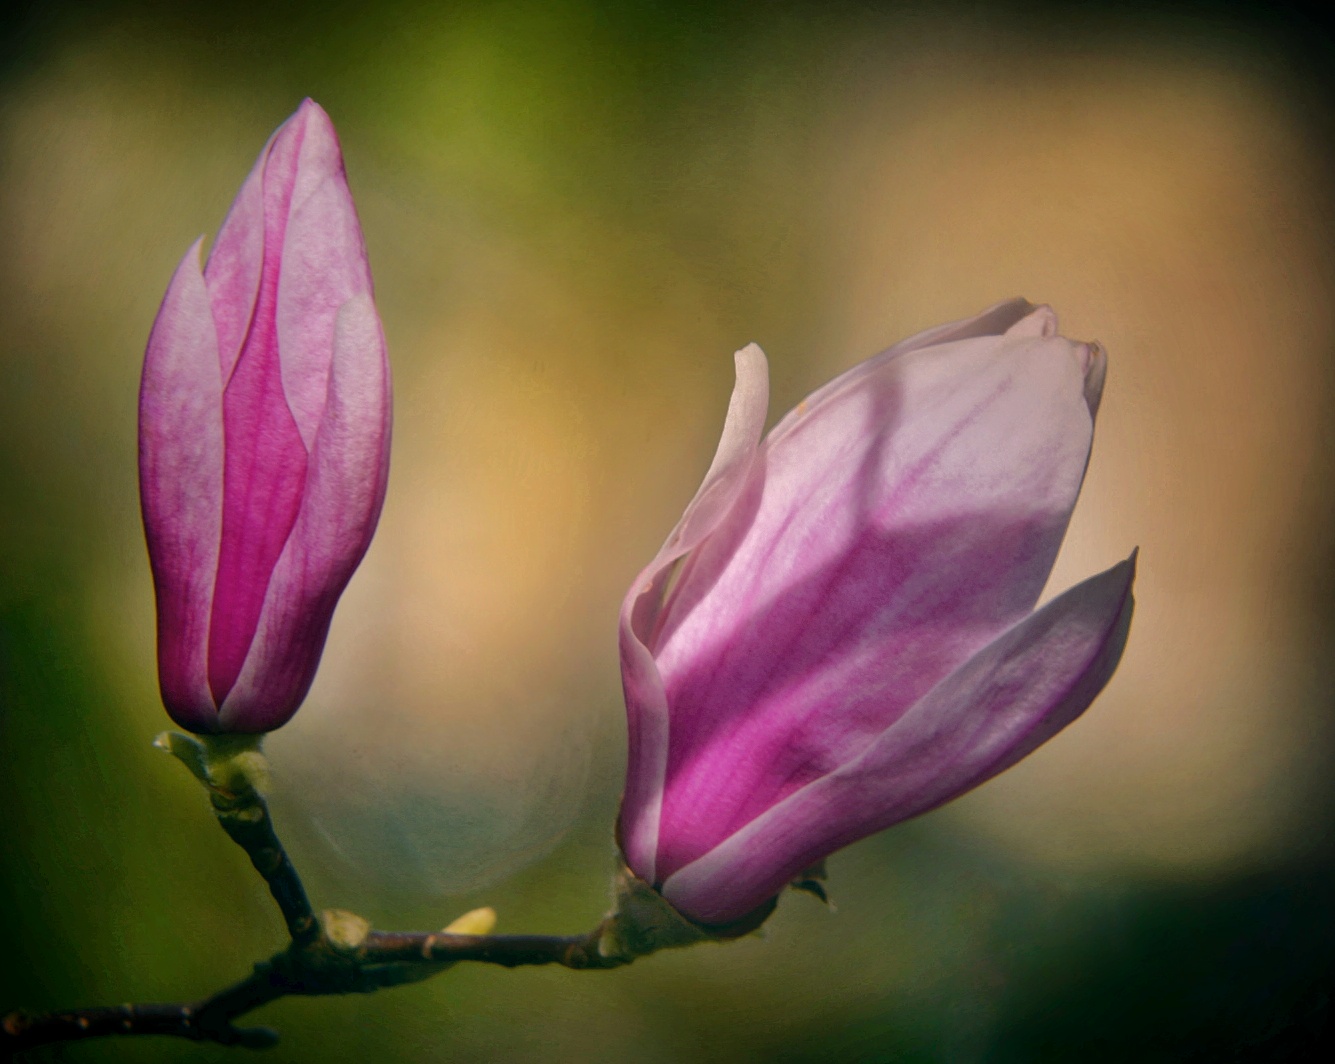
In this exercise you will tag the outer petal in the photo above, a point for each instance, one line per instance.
(324, 266)
(345, 489)
(181, 486)
(897, 523)
(995, 709)
(646, 705)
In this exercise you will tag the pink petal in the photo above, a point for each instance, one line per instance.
(324, 266)
(180, 480)
(993, 710)
(891, 527)
(345, 489)
(647, 711)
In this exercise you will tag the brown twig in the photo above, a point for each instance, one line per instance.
(208, 1020)
(323, 965)
(580, 952)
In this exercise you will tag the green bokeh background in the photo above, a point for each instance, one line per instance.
(574, 211)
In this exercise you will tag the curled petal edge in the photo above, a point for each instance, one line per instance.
(646, 702)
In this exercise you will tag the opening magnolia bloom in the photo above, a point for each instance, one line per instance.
(264, 425)
(840, 632)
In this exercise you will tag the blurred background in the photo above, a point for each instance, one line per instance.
(575, 212)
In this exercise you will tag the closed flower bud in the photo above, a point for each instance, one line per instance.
(841, 631)
(264, 425)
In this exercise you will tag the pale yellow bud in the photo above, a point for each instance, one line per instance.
(478, 922)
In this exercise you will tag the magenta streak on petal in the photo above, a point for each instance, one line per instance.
(995, 709)
(845, 599)
(264, 470)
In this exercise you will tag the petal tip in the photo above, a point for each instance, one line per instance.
(310, 111)
(751, 365)
(314, 130)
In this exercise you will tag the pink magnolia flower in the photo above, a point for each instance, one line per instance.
(264, 424)
(840, 632)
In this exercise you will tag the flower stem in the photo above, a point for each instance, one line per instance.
(235, 773)
(245, 818)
